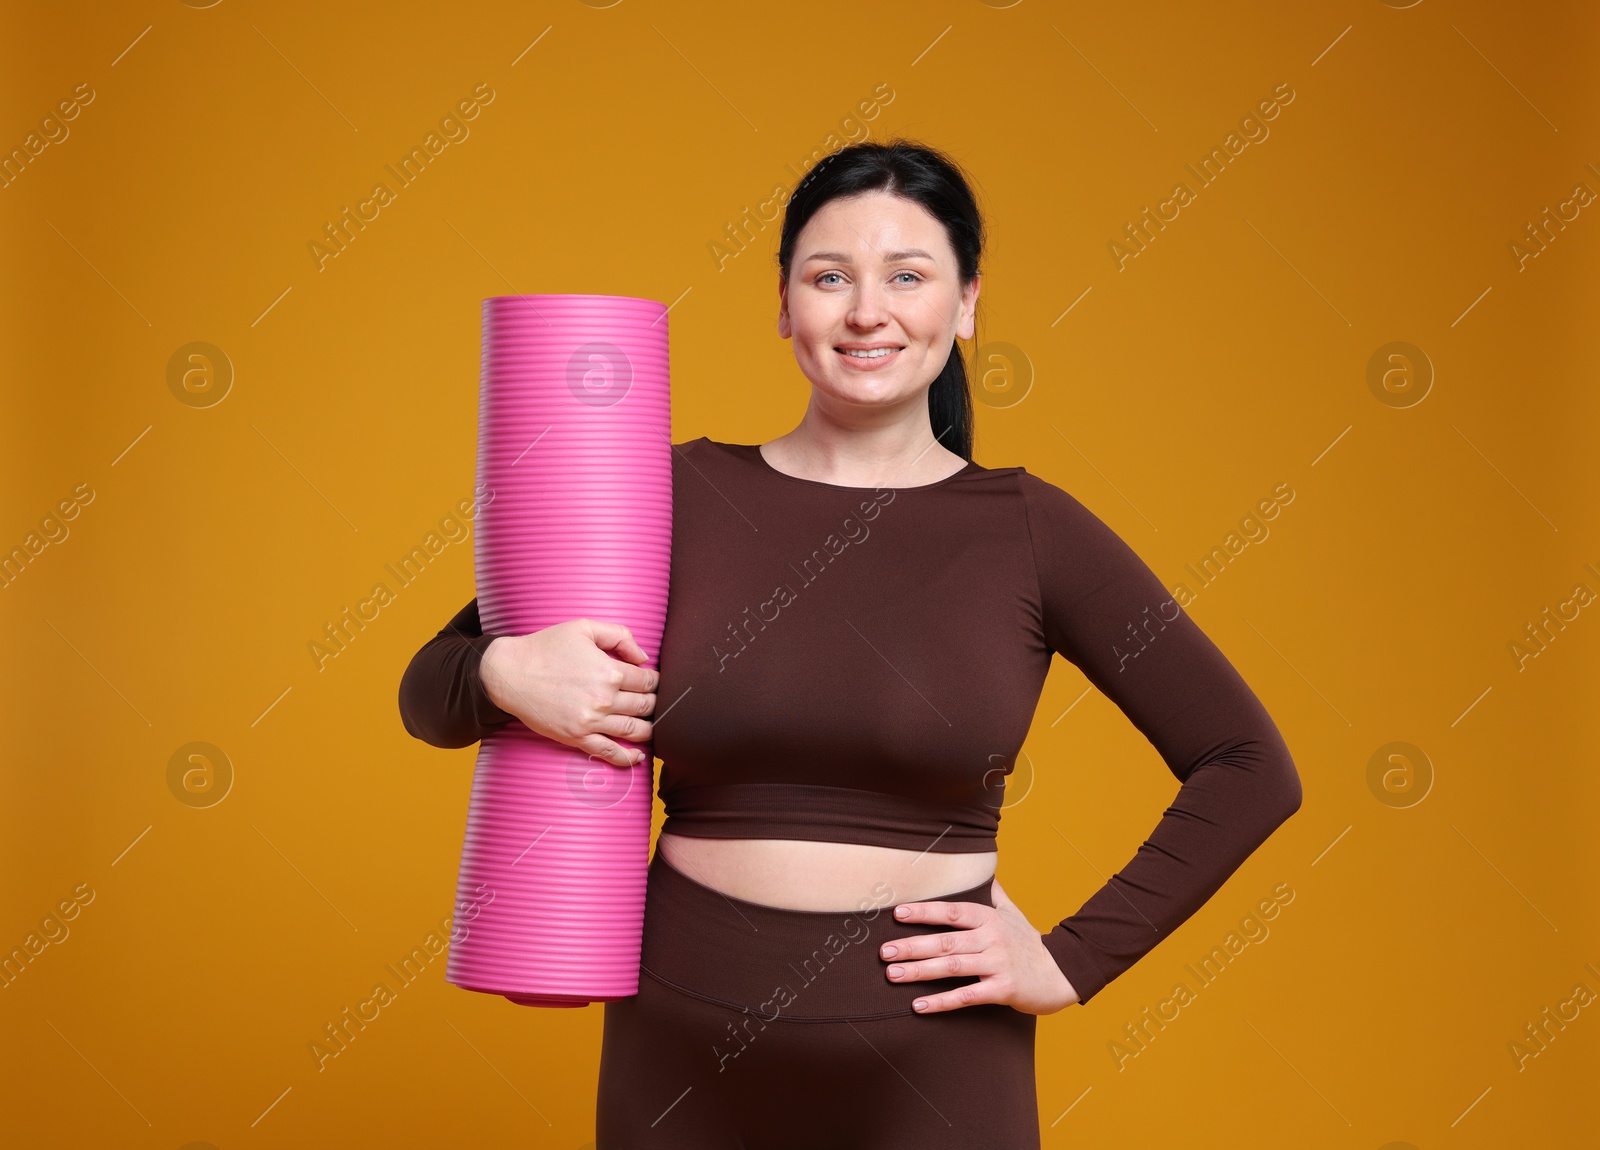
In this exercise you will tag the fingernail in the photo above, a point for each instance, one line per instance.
(902, 911)
(896, 971)
(920, 1004)
(889, 950)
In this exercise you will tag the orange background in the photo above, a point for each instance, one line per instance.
(1441, 902)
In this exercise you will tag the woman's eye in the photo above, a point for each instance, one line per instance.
(830, 278)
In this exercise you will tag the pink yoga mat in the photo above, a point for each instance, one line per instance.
(575, 519)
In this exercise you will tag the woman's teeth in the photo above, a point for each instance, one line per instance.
(875, 353)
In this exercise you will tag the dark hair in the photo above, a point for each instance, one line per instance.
(933, 180)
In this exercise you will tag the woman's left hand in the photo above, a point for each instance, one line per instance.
(998, 944)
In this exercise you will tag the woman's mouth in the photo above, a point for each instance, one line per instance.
(868, 359)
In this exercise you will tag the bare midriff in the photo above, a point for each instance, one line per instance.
(799, 874)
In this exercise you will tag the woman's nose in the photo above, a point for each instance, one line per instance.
(867, 306)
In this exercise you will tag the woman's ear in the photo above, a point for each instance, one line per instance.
(784, 331)
(966, 326)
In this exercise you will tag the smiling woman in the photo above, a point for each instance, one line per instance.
(848, 761)
(874, 289)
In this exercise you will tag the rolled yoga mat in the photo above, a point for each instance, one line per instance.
(574, 520)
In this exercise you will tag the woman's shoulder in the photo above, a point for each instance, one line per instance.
(701, 443)
(702, 448)
(1041, 493)
(1057, 520)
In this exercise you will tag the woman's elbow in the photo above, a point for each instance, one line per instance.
(417, 719)
(440, 737)
(1291, 791)
(1286, 789)
(1275, 791)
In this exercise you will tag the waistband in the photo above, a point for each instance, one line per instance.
(782, 964)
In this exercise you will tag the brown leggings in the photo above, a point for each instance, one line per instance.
(764, 1028)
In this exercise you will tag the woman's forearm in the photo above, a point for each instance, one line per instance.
(1226, 808)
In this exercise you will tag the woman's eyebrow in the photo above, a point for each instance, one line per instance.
(844, 257)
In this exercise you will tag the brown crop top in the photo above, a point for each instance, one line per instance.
(863, 664)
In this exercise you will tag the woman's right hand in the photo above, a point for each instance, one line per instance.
(563, 685)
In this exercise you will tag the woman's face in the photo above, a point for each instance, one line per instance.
(874, 270)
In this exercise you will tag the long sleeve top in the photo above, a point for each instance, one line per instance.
(863, 665)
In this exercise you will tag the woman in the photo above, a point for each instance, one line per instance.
(860, 624)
